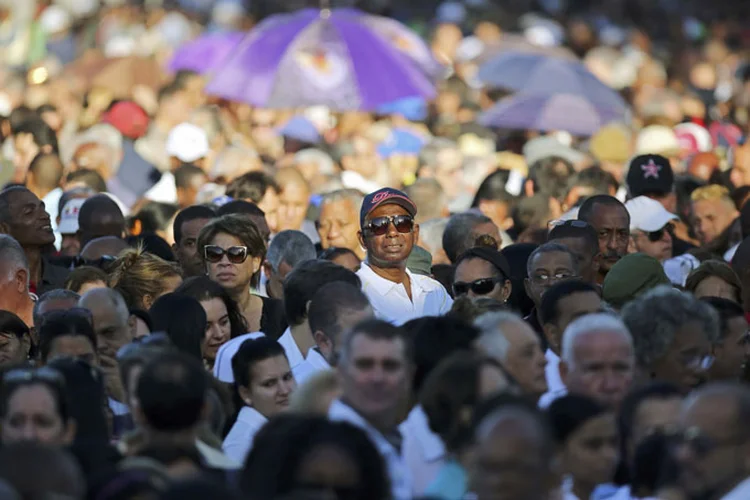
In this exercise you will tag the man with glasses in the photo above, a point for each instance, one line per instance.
(651, 228)
(388, 232)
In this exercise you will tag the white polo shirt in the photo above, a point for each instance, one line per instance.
(293, 354)
(555, 387)
(313, 363)
(423, 450)
(391, 303)
(239, 441)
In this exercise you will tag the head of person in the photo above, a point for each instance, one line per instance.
(714, 278)
(548, 265)
(343, 257)
(305, 281)
(564, 303)
(302, 455)
(261, 189)
(611, 221)
(588, 182)
(597, 358)
(188, 179)
(494, 201)
(427, 194)
(183, 319)
(45, 173)
(453, 390)
(631, 277)
(187, 225)
(387, 228)
(142, 277)
(104, 247)
(54, 300)
(582, 240)
(34, 407)
(15, 340)
(232, 250)
(315, 166)
(442, 160)
(673, 333)
(334, 310)
(508, 339)
(263, 377)
(224, 320)
(715, 445)
(100, 216)
(732, 349)
(14, 274)
(69, 334)
(651, 175)
(23, 216)
(375, 370)
(431, 239)
(337, 222)
(21, 463)
(30, 138)
(651, 227)
(482, 272)
(287, 249)
(186, 143)
(585, 432)
(251, 211)
(713, 211)
(67, 226)
(294, 198)
(232, 162)
(462, 232)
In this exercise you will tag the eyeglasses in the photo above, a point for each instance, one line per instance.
(698, 362)
(479, 287)
(545, 279)
(379, 225)
(235, 255)
(701, 444)
(654, 236)
(572, 223)
(27, 375)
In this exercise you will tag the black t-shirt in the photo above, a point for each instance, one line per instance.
(273, 320)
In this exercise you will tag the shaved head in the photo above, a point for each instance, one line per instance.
(100, 216)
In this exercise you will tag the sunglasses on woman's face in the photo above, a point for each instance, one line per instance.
(479, 287)
(235, 255)
(655, 236)
(379, 225)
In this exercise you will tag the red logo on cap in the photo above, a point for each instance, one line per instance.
(381, 196)
(650, 169)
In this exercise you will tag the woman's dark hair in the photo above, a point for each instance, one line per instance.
(335, 252)
(568, 413)
(153, 244)
(517, 256)
(202, 288)
(53, 380)
(250, 352)
(83, 275)
(183, 319)
(492, 188)
(153, 217)
(64, 323)
(282, 445)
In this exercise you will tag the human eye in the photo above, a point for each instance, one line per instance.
(224, 321)
(288, 376)
(269, 383)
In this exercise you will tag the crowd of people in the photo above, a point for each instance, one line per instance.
(203, 299)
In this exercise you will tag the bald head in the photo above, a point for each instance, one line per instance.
(290, 176)
(100, 216)
(104, 246)
(45, 172)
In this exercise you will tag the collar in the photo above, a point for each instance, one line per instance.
(251, 416)
(417, 426)
(316, 359)
(343, 412)
(740, 492)
(381, 285)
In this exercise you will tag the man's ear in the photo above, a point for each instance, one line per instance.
(361, 238)
(22, 280)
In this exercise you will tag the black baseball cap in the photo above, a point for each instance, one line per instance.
(385, 196)
(649, 174)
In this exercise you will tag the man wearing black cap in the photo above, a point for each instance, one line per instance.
(388, 233)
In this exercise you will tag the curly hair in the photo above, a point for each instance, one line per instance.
(655, 317)
(137, 273)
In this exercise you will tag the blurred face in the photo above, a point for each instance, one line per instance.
(338, 225)
(602, 367)
(612, 224)
(293, 202)
(548, 269)
(525, 359)
(92, 156)
(112, 332)
(70, 245)
(328, 468)
(186, 251)
(732, 352)
(218, 327)
(73, 346)
(711, 218)
(271, 384)
(591, 453)
(30, 223)
(232, 276)
(375, 377)
(498, 211)
(657, 244)
(740, 174)
(270, 206)
(32, 416)
(683, 363)
(392, 248)
(481, 279)
(348, 261)
(329, 344)
(569, 309)
(13, 351)
(487, 228)
(653, 415)
(713, 286)
(25, 150)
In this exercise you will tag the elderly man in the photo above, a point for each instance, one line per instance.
(509, 340)
(609, 217)
(286, 251)
(388, 232)
(598, 359)
(232, 162)
(98, 149)
(14, 288)
(375, 370)
(337, 223)
(651, 227)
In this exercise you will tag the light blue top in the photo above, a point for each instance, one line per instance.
(450, 483)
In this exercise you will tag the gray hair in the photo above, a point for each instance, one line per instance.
(551, 247)
(290, 246)
(229, 163)
(492, 339)
(12, 256)
(320, 158)
(109, 296)
(429, 197)
(655, 317)
(353, 195)
(591, 323)
(429, 154)
(431, 234)
(57, 294)
(459, 236)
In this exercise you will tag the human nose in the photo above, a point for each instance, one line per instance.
(612, 241)
(28, 431)
(392, 231)
(286, 387)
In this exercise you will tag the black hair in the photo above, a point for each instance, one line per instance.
(10, 323)
(576, 229)
(301, 285)
(281, 447)
(727, 309)
(250, 352)
(203, 288)
(183, 319)
(152, 243)
(329, 303)
(490, 255)
(184, 174)
(172, 391)
(190, 214)
(61, 324)
(333, 253)
(492, 188)
(568, 413)
(155, 216)
(531, 213)
(550, 176)
(518, 255)
(41, 132)
(251, 210)
(170, 89)
(596, 178)
(553, 248)
(251, 186)
(548, 308)
(586, 212)
(22, 114)
(91, 178)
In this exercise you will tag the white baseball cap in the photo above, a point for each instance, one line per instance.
(187, 142)
(223, 362)
(69, 216)
(647, 215)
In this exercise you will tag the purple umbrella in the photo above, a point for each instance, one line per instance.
(205, 52)
(314, 57)
(540, 74)
(567, 112)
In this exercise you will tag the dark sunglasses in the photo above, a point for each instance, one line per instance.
(655, 236)
(379, 225)
(569, 223)
(479, 287)
(214, 254)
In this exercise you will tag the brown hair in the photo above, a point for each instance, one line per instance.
(718, 269)
(242, 228)
(137, 273)
(83, 275)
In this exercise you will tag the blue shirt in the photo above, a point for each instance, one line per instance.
(450, 484)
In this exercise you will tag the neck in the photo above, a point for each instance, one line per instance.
(242, 297)
(24, 309)
(302, 337)
(160, 438)
(384, 424)
(396, 274)
(34, 256)
(582, 491)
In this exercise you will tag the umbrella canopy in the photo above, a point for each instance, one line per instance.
(205, 52)
(314, 57)
(512, 42)
(539, 74)
(567, 112)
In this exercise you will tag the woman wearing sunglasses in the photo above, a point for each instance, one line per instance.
(233, 250)
(482, 272)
